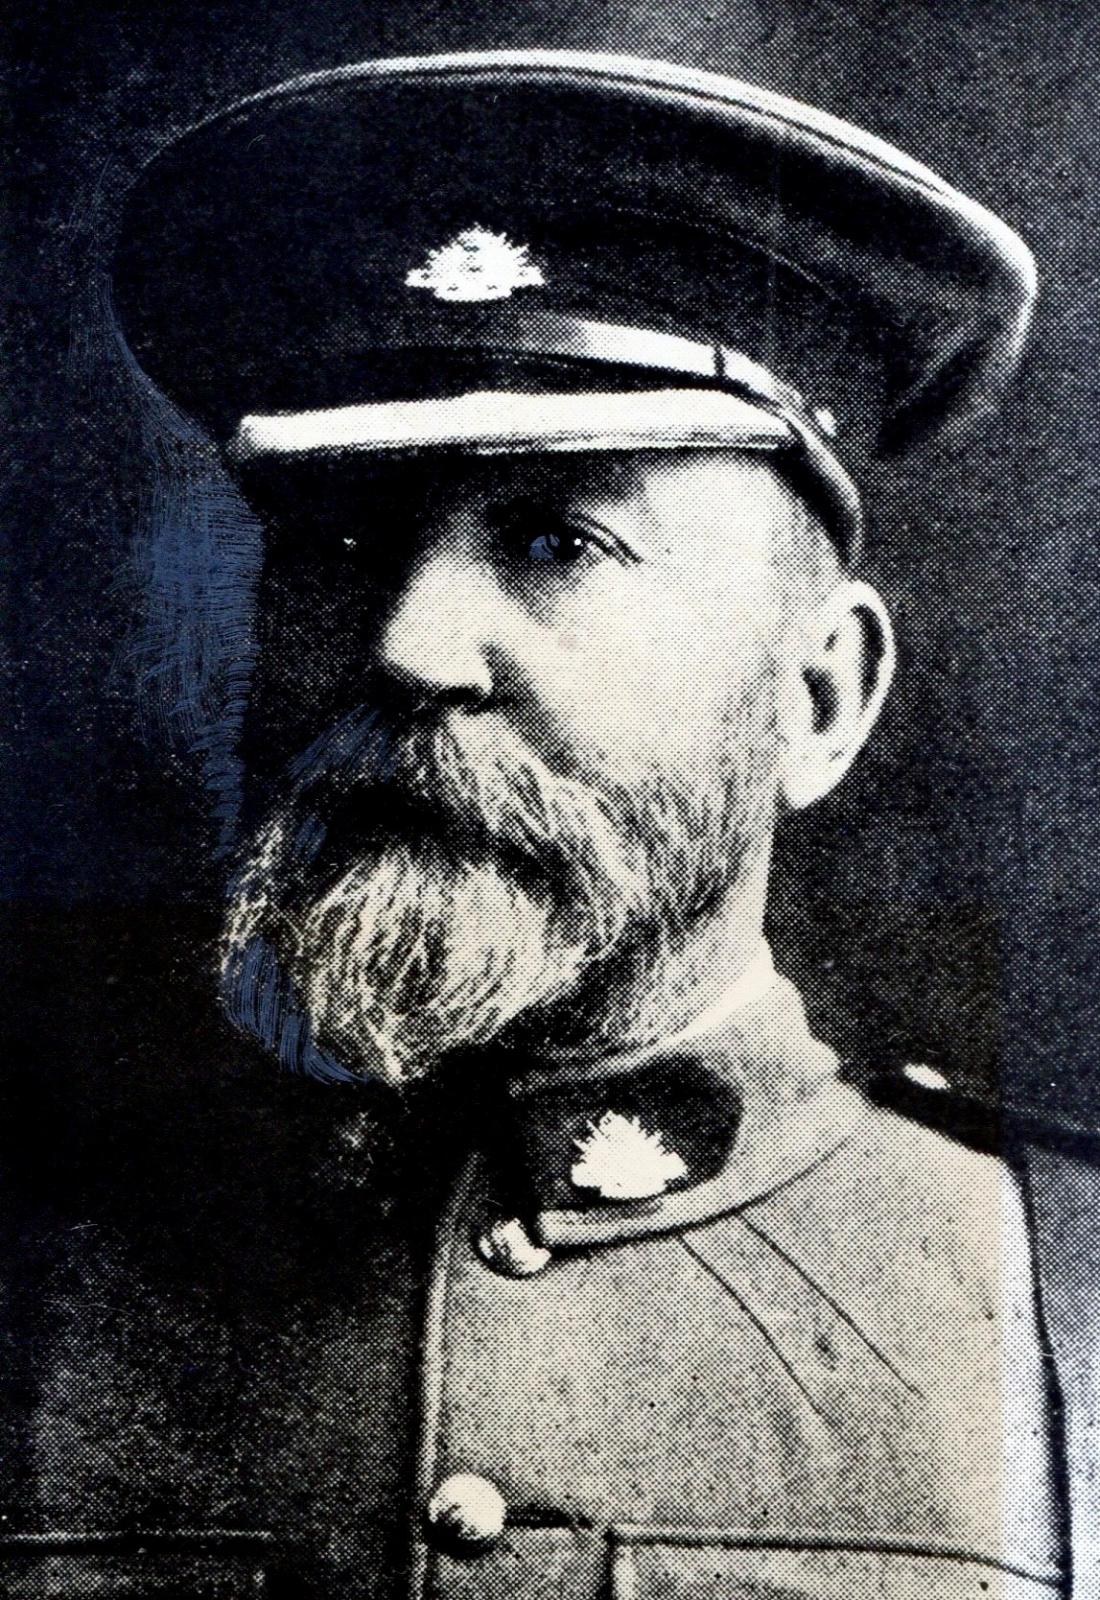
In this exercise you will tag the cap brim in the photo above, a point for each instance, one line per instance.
(508, 422)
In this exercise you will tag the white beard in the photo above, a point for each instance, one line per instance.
(408, 899)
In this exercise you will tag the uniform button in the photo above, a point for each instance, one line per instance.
(467, 1513)
(927, 1077)
(508, 1248)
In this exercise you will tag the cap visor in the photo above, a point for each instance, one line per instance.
(506, 422)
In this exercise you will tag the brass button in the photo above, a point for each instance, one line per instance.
(466, 1513)
(508, 1248)
(927, 1077)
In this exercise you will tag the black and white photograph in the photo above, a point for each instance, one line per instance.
(551, 915)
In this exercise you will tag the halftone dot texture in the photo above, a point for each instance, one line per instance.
(645, 220)
(985, 863)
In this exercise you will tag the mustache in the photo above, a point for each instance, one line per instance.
(407, 891)
(370, 783)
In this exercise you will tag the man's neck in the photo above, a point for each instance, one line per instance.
(650, 999)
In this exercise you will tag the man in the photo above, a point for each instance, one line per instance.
(547, 376)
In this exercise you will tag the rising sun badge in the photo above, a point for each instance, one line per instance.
(476, 265)
(621, 1161)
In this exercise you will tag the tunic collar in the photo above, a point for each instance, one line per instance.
(654, 1140)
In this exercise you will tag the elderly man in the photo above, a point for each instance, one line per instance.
(547, 376)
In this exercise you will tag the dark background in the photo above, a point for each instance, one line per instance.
(946, 905)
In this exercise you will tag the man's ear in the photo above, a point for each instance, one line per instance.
(841, 663)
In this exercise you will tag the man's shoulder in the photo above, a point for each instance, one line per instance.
(990, 1124)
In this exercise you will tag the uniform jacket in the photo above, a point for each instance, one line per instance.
(242, 1360)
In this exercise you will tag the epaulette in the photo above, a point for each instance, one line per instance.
(995, 1124)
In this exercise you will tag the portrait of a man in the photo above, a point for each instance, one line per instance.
(456, 1193)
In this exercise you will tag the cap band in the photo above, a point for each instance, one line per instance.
(561, 337)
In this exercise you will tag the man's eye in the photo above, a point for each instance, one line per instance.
(558, 547)
(534, 535)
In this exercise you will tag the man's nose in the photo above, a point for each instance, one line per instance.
(434, 639)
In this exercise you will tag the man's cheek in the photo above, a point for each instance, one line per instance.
(668, 696)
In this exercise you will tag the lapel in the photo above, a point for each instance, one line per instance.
(1064, 1195)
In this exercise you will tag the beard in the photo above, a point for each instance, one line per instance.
(420, 890)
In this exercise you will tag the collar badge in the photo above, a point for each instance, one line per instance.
(621, 1161)
(476, 265)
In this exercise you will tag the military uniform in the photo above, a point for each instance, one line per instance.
(399, 1351)
(702, 1319)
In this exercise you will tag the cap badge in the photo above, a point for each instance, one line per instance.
(621, 1161)
(476, 265)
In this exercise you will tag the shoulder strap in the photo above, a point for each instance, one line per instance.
(998, 1124)
(1059, 1167)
